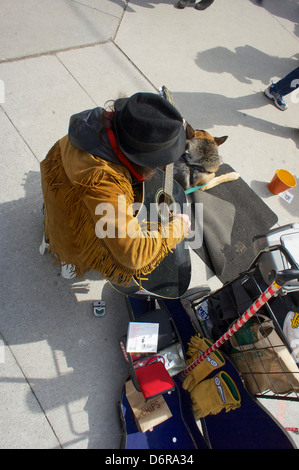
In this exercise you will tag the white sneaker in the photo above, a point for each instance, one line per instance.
(276, 97)
(67, 271)
(44, 246)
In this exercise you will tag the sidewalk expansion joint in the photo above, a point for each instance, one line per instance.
(94, 8)
(31, 389)
(134, 65)
(53, 52)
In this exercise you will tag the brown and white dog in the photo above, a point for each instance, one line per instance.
(201, 161)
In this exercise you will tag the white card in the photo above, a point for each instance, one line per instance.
(288, 197)
(142, 337)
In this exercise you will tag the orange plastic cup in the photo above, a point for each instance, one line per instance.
(281, 181)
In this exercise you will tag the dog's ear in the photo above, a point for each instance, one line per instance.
(190, 132)
(220, 140)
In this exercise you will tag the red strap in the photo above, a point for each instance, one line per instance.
(121, 156)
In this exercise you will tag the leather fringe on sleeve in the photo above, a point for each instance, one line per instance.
(95, 255)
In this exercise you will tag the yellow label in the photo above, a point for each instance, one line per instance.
(295, 320)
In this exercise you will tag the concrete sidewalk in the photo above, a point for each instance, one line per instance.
(63, 371)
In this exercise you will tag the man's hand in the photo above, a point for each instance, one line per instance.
(187, 221)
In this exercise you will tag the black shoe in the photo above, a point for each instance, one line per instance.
(203, 4)
(184, 3)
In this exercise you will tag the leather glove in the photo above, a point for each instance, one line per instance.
(213, 395)
(211, 363)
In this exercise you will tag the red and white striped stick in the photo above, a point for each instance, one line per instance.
(296, 430)
(265, 296)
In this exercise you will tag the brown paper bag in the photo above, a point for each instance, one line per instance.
(266, 364)
(148, 413)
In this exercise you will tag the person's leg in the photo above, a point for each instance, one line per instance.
(283, 87)
(288, 84)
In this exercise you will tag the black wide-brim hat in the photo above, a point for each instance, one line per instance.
(149, 130)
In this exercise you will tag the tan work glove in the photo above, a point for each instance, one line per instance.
(197, 346)
(213, 395)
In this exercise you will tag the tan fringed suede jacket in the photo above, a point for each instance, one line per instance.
(76, 186)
